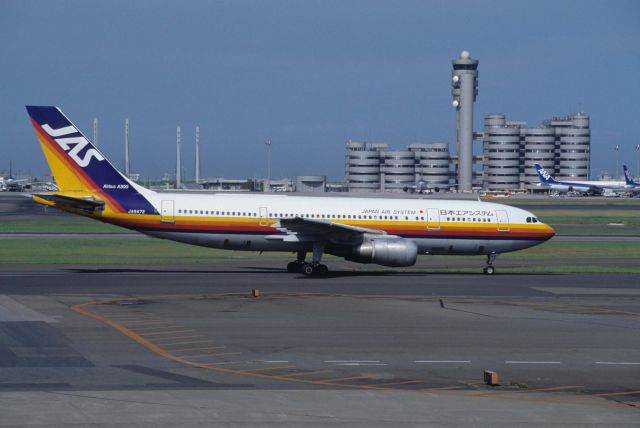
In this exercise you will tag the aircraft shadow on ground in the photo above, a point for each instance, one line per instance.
(261, 270)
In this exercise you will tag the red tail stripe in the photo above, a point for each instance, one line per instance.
(64, 158)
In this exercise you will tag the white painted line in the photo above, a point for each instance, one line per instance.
(442, 361)
(355, 362)
(275, 361)
(617, 363)
(533, 362)
(360, 364)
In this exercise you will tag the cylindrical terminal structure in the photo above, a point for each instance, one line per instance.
(362, 166)
(398, 168)
(432, 165)
(560, 145)
(501, 149)
(464, 82)
(575, 139)
(539, 147)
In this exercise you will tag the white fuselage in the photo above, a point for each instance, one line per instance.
(251, 222)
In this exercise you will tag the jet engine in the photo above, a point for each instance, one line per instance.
(394, 252)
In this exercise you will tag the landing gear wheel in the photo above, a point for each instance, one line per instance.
(322, 269)
(489, 270)
(308, 269)
(294, 267)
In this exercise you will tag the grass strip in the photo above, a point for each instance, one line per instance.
(161, 252)
(61, 224)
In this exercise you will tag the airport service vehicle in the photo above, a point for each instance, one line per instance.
(388, 232)
(584, 187)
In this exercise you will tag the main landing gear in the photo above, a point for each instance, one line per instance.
(309, 269)
(489, 269)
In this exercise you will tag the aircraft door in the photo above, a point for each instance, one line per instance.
(264, 216)
(503, 221)
(433, 219)
(167, 212)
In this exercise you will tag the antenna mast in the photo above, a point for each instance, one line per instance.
(126, 147)
(197, 154)
(178, 165)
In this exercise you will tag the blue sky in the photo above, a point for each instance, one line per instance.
(309, 75)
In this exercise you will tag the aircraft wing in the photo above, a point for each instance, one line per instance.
(304, 229)
(85, 204)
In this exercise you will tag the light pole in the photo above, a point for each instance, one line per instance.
(617, 149)
(268, 144)
(638, 156)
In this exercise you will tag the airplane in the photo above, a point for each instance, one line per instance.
(10, 184)
(383, 231)
(420, 187)
(584, 187)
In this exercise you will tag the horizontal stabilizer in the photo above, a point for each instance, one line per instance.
(85, 204)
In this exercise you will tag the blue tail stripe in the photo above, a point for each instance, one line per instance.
(89, 159)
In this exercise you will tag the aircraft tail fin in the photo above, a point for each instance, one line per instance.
(627, 178)
(543, 175)
(80, 168)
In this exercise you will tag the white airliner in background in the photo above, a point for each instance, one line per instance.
(421, 187)
(388, 232)
(585, 187)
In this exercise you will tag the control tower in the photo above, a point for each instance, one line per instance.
(464, 84)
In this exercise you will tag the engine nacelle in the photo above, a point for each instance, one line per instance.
(394, 252)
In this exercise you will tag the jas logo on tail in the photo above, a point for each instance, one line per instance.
(73, 145)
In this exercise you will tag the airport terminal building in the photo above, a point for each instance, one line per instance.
(509, 149)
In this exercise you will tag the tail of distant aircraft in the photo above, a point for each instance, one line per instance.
(543, 175)
(79, 168)
(627, 178)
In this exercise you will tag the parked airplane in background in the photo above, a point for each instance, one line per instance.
(421, 186)
(388, 232)
(10, 184)
(585, 187)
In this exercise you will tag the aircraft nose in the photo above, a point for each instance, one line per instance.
(549, 232)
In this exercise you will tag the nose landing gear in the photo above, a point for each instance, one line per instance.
(489, 269)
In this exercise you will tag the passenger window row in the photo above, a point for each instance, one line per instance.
(336, 216)
(470, 219)
(288, 215)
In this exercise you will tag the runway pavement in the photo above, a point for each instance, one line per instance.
(191, 346)
(354, 349)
